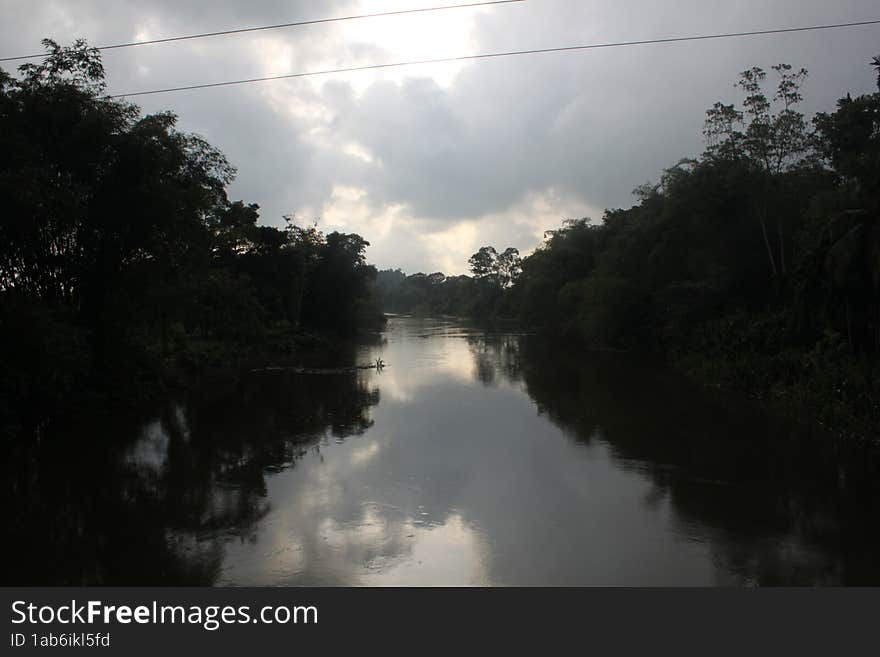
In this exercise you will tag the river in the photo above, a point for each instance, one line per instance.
(471, 458)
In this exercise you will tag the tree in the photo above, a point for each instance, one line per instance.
(509, 266)
(105, 208)
(306, 242)
(484, 263)
(501, 269)
(767, 143)
(234, 229)
(850, 144)
(772, 141)
(845, 261)
(340, 290)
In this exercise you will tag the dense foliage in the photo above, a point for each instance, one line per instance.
(756, 265)
(480, 296)
(120, 251)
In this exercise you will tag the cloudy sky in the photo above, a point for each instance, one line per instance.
(430, 162)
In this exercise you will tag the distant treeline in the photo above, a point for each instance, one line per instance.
(120, 253)
(755, 265)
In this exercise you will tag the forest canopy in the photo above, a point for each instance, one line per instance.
(120, 249)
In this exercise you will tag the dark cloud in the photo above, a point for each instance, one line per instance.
(426, 168)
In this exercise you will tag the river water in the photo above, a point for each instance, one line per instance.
(472, 458)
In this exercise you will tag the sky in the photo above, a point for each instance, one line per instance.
(431, 162)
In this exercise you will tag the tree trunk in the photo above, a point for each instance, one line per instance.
(763, 221)
(300, 294)
(781, 234)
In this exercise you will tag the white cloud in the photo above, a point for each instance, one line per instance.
(448, 157)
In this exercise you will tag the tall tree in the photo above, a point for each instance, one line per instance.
(102, 203)
(509, 266)
(484, 263)
(769, 140)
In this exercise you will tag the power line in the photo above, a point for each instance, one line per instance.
(509, 53)
(277, 26)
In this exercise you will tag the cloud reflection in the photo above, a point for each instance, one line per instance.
(472, 459)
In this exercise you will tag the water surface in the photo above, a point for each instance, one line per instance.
(473, 458)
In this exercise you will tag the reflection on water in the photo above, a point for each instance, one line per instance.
(472, 459)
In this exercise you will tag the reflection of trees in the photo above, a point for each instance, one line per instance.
(83, 511)
(493, 353)
(778, 506)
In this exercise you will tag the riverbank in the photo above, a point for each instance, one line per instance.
(836, 394)
(50, 378)
(826, 385)
(823, 382)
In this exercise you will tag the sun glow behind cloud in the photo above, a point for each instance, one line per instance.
(412, 37)
(378, 40)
